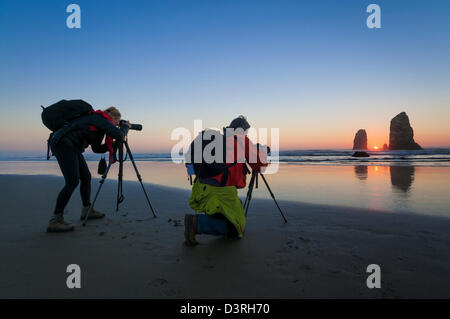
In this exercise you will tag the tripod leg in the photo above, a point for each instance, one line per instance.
(119, 197)
(273, 196)
(249, 193)
(119, 193)
(247, 171)
(139, 177)
(102, 181)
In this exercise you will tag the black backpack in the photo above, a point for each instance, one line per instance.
(204, 169)
(59, 116)
(63, 112)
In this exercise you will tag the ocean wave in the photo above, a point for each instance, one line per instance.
(440, 156)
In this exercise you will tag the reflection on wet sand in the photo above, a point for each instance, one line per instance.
(402, 177)
(361, 172)
(387, 188)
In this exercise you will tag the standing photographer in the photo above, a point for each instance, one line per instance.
(68, 148)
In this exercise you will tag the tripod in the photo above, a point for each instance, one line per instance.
(120, 147)
(253, 180)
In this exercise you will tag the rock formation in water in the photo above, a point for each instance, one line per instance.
(360, 154)
(360, 140)
(385, 147)
(401, 136)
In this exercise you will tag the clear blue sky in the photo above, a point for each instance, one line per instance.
(311, 68)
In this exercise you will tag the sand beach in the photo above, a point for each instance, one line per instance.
(322, 252)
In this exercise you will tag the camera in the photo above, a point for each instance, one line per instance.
(135, 127)
(261, 146)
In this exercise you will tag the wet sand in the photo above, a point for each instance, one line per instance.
(323, 251)
(399, 189)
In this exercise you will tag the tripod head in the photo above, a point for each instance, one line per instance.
(125, 126)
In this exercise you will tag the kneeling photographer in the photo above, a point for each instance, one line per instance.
(69, 142)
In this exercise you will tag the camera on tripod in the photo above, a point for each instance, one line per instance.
(135, 127)
(121, 148)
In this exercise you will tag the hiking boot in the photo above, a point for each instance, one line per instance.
(190, 229)
(58, 225)
(93, 215)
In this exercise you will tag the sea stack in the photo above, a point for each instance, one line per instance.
(401, 136)
(360, 154)
(360, 140)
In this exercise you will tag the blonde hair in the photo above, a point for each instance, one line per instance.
(113, 111)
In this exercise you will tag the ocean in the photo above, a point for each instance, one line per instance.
(426, 157)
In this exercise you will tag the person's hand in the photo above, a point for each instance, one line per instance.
(127, 123)
(261, 146)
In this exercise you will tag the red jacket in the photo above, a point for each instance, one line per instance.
(236, 153)
(109, 139)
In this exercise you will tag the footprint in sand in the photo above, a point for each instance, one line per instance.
(176, 222)
(305, 240)
(356, 256)
(306, 267)
(170, 292)
(292, 244)
(158, 282)
(208, 267)
(165, 290)
(334, 272)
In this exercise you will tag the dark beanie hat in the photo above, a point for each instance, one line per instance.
(240, 122)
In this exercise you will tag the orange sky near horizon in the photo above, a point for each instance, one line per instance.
(27, 137)
(314, 71)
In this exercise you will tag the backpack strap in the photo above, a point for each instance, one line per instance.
(57, 135)
(193, 155)
(226, 172)
(48, 146)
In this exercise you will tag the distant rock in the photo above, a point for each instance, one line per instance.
(385, 147)
(360, 140)
(360, 154)
(401, 136)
